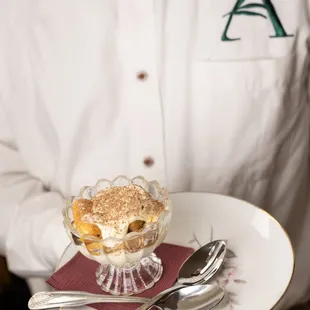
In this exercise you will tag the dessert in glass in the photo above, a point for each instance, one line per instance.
(119, 224)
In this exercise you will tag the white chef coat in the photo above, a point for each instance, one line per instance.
(215, 95)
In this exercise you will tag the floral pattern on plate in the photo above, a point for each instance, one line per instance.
(230, 278)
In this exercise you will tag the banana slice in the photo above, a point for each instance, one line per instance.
(94, 248)
(88, 229)
(136, 226)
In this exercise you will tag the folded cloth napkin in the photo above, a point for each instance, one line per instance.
(79, 275)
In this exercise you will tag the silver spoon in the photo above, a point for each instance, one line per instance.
(199, 268)
(48, 300)
(193, 297)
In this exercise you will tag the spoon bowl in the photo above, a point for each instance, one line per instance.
(193, 297)
(199, 268)
(203, 264)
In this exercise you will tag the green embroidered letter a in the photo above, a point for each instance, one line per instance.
(246, 9)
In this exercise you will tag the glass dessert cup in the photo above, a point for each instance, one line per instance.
(127, 265)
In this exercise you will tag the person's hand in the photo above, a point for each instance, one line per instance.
(4, 274)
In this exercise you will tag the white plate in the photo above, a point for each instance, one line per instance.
(261, 262)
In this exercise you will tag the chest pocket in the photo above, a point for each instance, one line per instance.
(236, 30)
(245, 82)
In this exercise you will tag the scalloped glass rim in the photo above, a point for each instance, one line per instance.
(149, 227)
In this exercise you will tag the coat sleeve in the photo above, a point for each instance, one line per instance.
(32, 236)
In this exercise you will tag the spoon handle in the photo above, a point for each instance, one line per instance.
(48, 300)
(149, 304)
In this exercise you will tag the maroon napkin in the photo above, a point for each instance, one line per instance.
(79, 275)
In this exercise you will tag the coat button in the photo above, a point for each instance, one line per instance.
(142, 75)
(148, 161)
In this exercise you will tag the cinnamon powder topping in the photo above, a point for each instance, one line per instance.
(122, 203)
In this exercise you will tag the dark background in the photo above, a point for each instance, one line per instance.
(14, 292)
